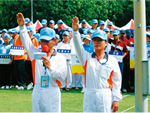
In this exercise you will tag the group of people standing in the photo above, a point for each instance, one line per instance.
(103, 74)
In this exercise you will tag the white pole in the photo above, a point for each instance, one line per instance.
(140, 54)
(32, 11)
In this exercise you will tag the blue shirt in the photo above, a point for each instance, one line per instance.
(89, 48)
(5, 49)
(148, 45)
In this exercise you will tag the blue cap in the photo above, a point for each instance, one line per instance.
(9, 31)
(4, 30)
(27, 20)
(57, 36)
(102, 23)
(60, 22)
(83, 21)
(37, 36)
(148, 34)
(44, 21)
(51, 22)
(110, 23)
(6, 36)
(65, 33)
(47, 34)
(29, 29)
(69, 29)
(106, 30)
(94, 21)
(115, 33)
(100, 34)
(122, 31)
(128, 32)
(147, 26)
(14, 30)
(87, 37)
(90, 31)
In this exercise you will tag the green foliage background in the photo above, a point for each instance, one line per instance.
(118, 11)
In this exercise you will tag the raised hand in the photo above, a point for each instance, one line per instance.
(75, 24)
(20, 19)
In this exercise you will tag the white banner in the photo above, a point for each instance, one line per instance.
(117, 55)
(5, 59)
(16, 50)
(65, 52)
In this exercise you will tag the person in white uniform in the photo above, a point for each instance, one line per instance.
(102, 73)
(50, 71)
(63, 47)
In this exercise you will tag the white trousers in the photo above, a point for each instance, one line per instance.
(69, 76)
(46, 99)
(97, 100)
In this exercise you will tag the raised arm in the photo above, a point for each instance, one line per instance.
(81, 53)
(30, 48)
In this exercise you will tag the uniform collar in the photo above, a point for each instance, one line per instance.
(94, 55)
(54, 53)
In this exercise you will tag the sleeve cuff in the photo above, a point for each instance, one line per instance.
(116, 99)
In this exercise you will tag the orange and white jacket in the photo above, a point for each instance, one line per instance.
(18, 42)
(98, 75)
(58, 71)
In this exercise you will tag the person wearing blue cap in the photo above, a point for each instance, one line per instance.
(37, 36)
(119, 46)
(107, 31)
(5, 69)
(90, 32)
(110, 24)
(148, 28)
(102, 73)
(44, 24)
(88, 46)
(102, 25)
(59, 30)
(4, 31)
(66, 45)
(83, 29)
(51, 24)
(50, 71)
(94, 24)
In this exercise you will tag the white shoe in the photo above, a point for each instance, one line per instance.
(30, 86)
(82, 91)
(17, 86)
(7, 87)
(3, 87)
(20, 88)
(124, 91)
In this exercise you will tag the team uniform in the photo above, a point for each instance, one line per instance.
(45, 99)
(102, 79)
(68, 46)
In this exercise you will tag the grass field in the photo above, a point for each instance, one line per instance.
(20, 101)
